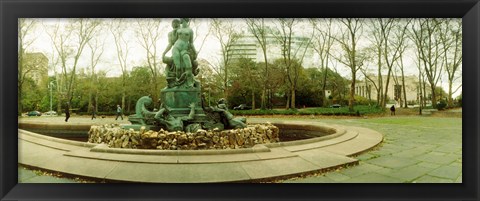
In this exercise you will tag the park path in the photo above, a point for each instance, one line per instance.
(416, 149)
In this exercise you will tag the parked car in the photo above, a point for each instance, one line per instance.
(242, 107)
(50, 113)
(335, 106)
(34, 113)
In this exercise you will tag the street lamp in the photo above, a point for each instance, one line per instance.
(50, 85)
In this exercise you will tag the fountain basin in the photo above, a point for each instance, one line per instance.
(261, 162)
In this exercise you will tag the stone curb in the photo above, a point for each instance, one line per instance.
(54, 139)
(105, 149)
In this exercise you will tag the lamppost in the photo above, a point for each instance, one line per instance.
(50, 85)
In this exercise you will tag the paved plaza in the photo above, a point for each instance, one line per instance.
(416, 149)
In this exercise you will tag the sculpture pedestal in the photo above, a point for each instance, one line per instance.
(178, 101)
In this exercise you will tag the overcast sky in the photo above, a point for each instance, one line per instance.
(205, 41)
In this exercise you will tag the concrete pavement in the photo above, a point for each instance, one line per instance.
(415, 150)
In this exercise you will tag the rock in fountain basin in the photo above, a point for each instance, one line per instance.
(116, 137)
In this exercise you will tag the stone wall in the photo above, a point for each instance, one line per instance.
(116, 137)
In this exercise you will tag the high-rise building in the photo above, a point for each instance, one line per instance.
(247, 46)
(36, 67)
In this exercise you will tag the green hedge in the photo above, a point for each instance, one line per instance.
(102, 113)
(342, 111)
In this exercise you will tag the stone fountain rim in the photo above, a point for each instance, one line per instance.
(103, 148)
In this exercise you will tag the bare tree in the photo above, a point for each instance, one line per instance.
(390, 51)
(118, 28)
(96, 46)
(196, 26)
(451, 38)
(378, 41)
(292, 56)
(149, 32)
(224, 31)
(25, 27)
(394, 47)
(352, 57)
(69, 41)
(428, 42)
(401, 36)
(323, 45)
(258, 28)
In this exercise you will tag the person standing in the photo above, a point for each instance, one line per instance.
(93, 112)
(67, 112)
(119, 112)
(392, 110)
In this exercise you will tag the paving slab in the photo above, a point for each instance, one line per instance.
(448, 172)
(362, 168)
(372, 178)
(408, 174)
(409, 153)
(438, 157)
(432, 179)
(24, 174)
(429, 165)
(393, 162)
(336, 176)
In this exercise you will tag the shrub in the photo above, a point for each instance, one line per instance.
(360, 100)
(442, 105)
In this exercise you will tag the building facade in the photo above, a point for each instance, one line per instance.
(367, 89)
(247, 46)
(36, 66)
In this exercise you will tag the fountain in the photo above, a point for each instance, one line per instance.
(183, 121)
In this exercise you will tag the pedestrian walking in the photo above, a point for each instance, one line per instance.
(93, 112)
(119, 112)
(67, 112)
(392, 110)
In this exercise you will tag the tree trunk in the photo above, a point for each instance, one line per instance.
(424, 92)
(262, 106)
(96, 102)
(450, 100)
(123, 100)
(89, 108)
(404, 90)
(352, 94)
(434, 97)
(20, 105)
(253, 99)
(324, 87)
(384, 101)
(287, 106)
(292, 105)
